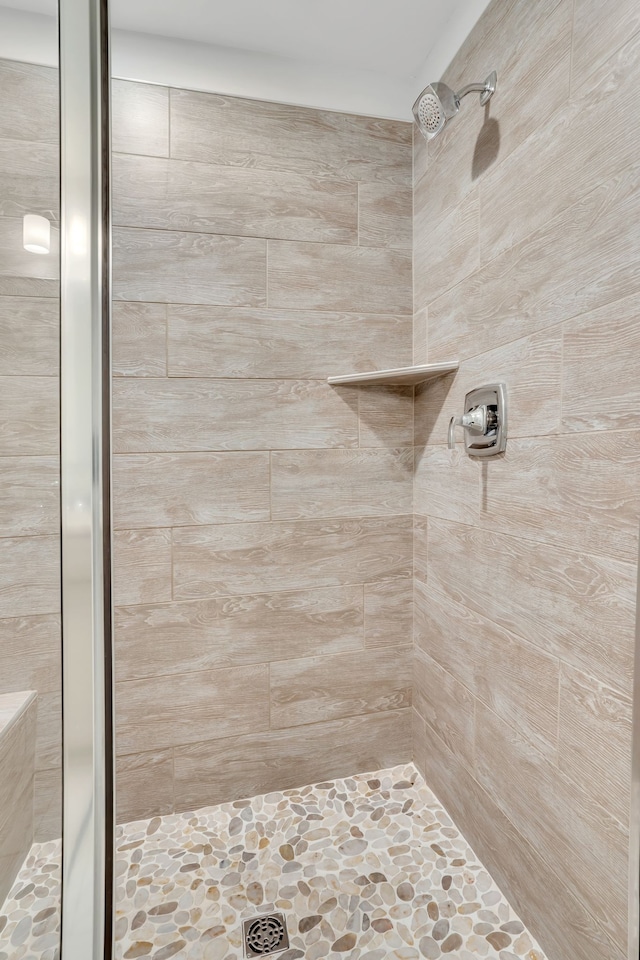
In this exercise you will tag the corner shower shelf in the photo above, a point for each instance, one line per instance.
(405, 376)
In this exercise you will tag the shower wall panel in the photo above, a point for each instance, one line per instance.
(525, 259)
(263, 532)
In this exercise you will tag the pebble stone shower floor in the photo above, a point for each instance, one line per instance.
(363, 868)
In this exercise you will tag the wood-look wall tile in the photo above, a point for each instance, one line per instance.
(581, 492)
(557, 253)
(577, 607)
(559, 920)
(388, 613)
(597, 36)
(595, 740)
(324, 276)
(439, 191)
(385, 215)
(144, 785)
(341, 483)
(29, 416)
(139, 340)
(536, 182)
(318, 689)
(233, 201)
(194, 635)
(162, 712)
(529, 46)
(237, 342)
(532, 370)
(140, 118)
(446, 705)
(235, 131)
(447, 251)
(386, 416)
(556, 273)
(29, 496)
(142, 566)
(577, 837)
(24, 274)
(28, 102)
(29, 179)
(30, 654)
(447, 484)
(522, 22)
(600, 389)
(207, 415)
(289, 555)
(514, 678)
(165, 489)
(30, 336)
(29, 576)
(218, 771)
(167, 266)
(533, 73)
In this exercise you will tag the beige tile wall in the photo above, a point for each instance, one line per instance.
(29, 438)
(526, 258)
(264, 541)
(263, 532)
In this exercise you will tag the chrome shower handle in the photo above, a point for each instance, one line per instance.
(475, 420)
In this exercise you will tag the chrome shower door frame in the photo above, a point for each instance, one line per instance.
(85, 296)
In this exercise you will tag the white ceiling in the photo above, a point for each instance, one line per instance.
(360, 39)
(385, 36)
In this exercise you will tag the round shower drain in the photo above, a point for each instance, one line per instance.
(265, 935)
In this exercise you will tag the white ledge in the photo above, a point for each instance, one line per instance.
(405, 376)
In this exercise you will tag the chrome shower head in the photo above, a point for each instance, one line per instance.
(438, 103)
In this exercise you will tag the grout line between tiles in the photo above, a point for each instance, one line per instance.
(561, 425)
(266, 275)
(281, 310)
(171, 560)
(402, 253)
(166, 341)
(558, 724)
(393, 712)
(168, 124)
(571, 46)
(518, 537)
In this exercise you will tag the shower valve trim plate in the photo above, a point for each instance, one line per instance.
(484, 421)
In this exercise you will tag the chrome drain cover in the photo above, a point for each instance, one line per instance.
(264, 935)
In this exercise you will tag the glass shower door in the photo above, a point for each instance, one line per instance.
(55, 600)
(30, 612)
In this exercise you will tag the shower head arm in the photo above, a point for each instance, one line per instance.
(471, 88)
(486, 89)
